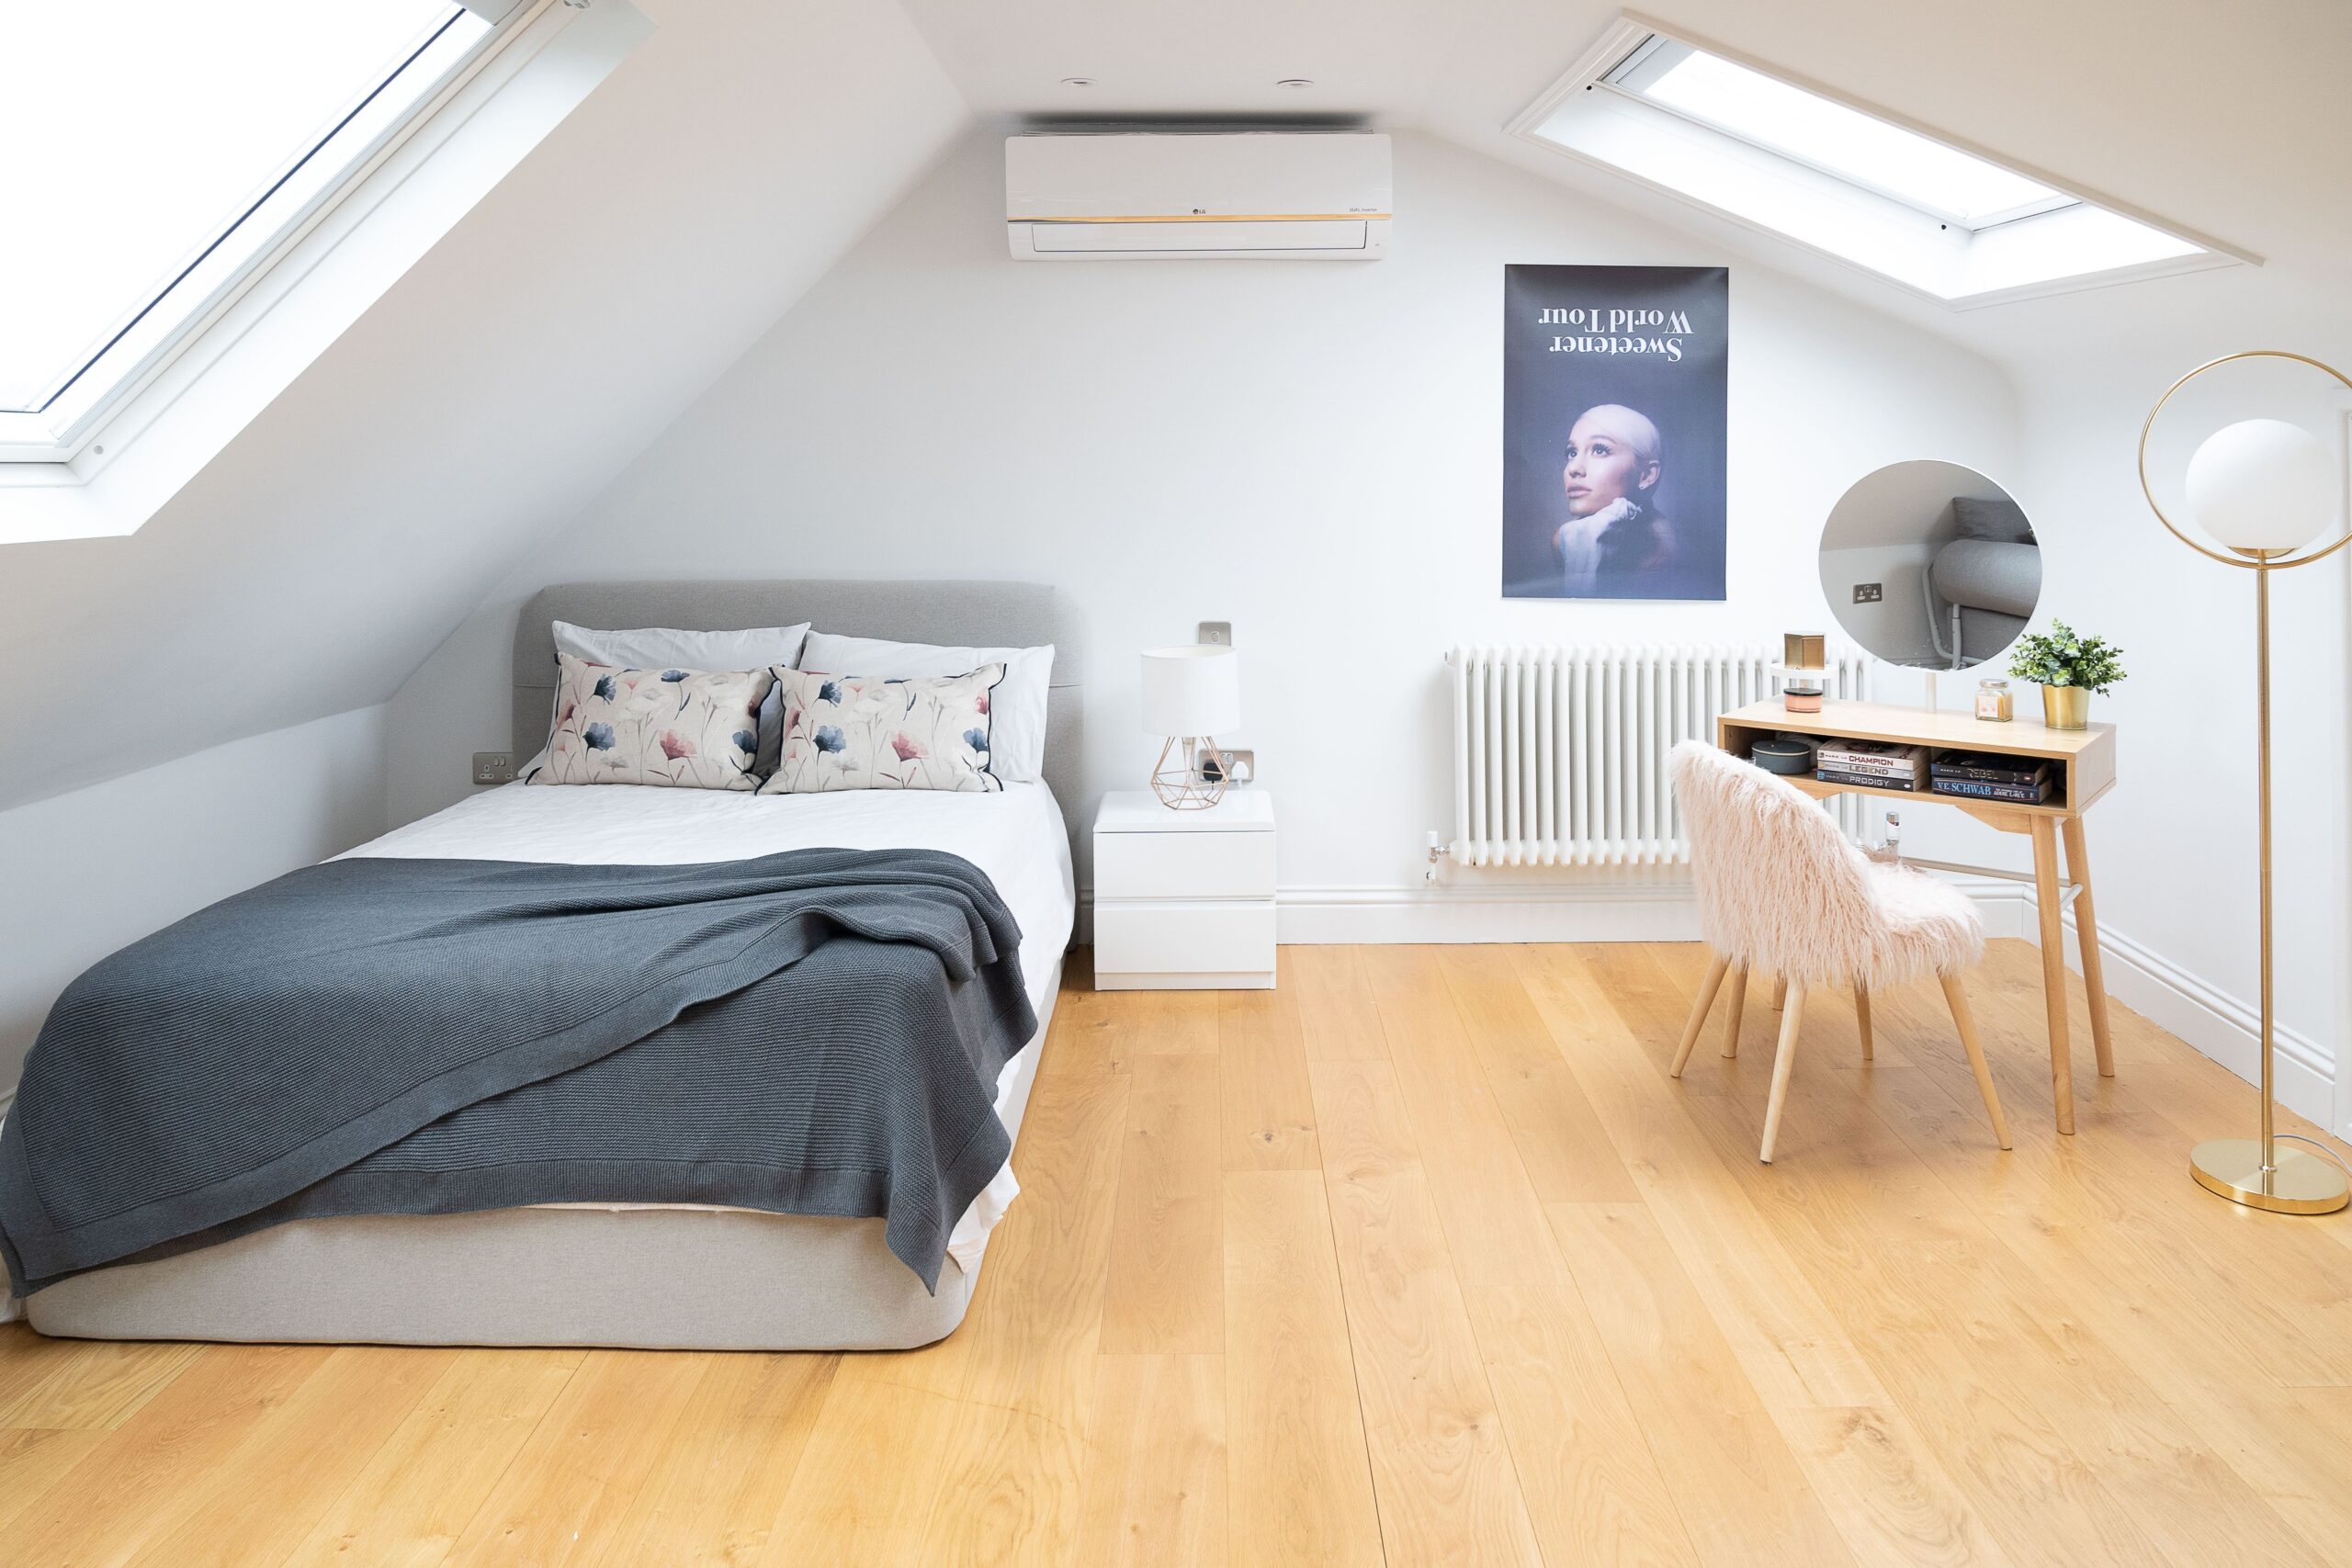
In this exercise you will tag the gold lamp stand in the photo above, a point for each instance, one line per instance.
(2256, 1171)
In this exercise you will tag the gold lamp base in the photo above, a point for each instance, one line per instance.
(2299, 1184)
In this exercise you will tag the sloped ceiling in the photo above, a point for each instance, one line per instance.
(716, 173)
(2228, 118)
(734, 157)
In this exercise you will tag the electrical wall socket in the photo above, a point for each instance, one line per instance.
(1867, 593)
(1215, 634)
(493, 767)
(1238, 762)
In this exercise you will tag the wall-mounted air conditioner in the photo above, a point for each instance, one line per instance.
(1163, 196)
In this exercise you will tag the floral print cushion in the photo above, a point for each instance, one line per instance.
(864, 732)
(682, 729)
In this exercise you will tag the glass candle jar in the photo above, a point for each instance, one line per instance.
(1993, 703)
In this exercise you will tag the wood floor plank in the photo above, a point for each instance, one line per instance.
(1179, 1023)
(1335, 1010)
(1569, 1155)
(86, 1383)
(309, 1447)
(1440, 1468)
(1155, 1491)
(32, 1460)
(870, 1474)
(407, 1508)
(1269, 1111)
(1166, 1292)
(141, 1481)
(714, 1499)
(1593, 1487)
(1794, 1351)
(1298, 1483)
(578, 1475)
(1742, 1494)
(1017, 1452)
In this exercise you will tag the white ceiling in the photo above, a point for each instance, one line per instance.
(2227, 116)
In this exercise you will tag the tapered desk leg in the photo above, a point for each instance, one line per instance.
(2053, 969)
(2078, 866)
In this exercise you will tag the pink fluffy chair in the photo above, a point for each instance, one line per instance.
(1782, 893)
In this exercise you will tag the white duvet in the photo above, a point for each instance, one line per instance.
(1016, 837)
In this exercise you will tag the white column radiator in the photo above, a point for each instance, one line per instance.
(1560, 754)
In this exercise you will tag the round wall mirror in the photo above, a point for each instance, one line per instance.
(1931, 565)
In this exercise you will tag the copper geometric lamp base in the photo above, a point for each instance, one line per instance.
(2299, 1184)
(1184, 787)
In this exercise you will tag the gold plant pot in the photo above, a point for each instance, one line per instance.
(2066, 707)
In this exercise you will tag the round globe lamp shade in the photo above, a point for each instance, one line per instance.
(1190, 691)
(2262, 484)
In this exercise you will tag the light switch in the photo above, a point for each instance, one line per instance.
(1217, 634)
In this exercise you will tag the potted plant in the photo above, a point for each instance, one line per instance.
(2069, 667)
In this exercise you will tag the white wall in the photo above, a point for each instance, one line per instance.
(1310, 451)
(115, 861)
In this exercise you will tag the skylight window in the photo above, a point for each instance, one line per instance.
(160, 151)
(1855, 184)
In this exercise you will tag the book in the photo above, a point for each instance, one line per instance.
(2033, 793)
(1859, 765)
(1989, 767)
(1867, 780)
(1879, 760)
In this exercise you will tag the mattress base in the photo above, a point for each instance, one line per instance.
(650, 1279)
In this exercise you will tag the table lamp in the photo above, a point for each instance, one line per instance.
(1189, 695)
(2264, 489)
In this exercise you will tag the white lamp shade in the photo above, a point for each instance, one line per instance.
(1190, 691)
(2264, 484)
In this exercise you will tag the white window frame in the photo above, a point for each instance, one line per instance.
(37, 451)
(1883, 235)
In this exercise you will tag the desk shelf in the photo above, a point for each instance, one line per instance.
(2085, 758)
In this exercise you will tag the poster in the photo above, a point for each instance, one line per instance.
(1613, 431)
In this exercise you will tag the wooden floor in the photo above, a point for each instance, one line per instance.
(1422, 1259)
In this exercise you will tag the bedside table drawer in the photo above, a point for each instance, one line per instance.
(1177, 939)
(1184, 865)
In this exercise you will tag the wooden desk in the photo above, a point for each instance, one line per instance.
(2085, 761)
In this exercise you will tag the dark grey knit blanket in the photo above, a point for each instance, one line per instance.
(813, 1032)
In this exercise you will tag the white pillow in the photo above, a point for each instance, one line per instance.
(1017, 733)
(668, 648)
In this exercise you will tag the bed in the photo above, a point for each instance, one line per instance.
(665, 1275)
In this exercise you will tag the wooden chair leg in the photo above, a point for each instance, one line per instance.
(1783, 1059)
(1739, 1003)
(1862, 1019)
(1966, 1024)
(1707, 989)
(1779, 993)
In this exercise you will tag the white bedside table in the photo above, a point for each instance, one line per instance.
(1184, 900)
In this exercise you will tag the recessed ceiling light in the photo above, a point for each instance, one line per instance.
(1294, 82)
(1078, 80)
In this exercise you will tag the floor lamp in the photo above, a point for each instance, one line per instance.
(2264, 489)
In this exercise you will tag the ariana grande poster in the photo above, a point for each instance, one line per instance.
(1613, 431)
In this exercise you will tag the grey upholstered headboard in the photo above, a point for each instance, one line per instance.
(999, 615)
